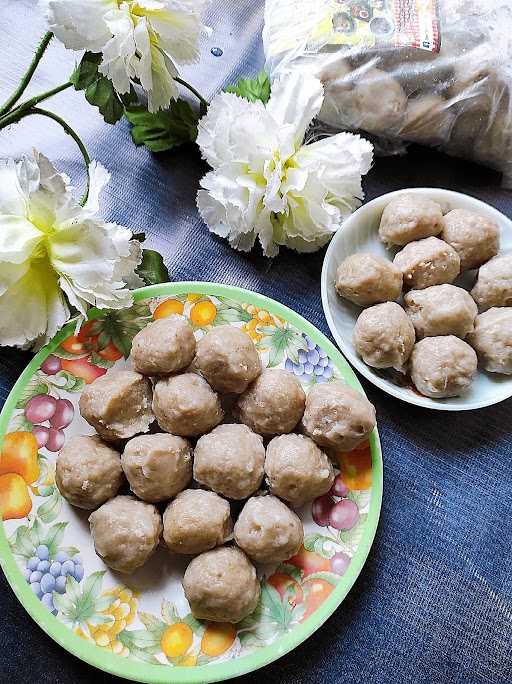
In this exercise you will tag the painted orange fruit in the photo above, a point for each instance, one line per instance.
(15, 501)
(168, 307)
(316, 591)
(310, 562)
(203, 313)
(83, 368)
(176, 640)
(19, 455)
(218, 637)
(356, 467)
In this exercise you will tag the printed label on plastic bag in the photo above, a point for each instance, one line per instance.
(314, 25)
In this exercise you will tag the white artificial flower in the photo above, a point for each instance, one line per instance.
(266, 182)
(140, 40)
(55, 253)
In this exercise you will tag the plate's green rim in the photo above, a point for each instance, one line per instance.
(162, 674)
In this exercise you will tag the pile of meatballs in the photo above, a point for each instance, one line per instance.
(441, 332)
(160, 427)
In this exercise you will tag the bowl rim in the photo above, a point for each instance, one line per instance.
(441, 194)
(200, 674)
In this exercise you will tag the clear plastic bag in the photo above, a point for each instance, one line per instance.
(435, 72)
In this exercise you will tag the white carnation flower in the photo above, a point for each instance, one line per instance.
(266, 182)
(140, 40)
(55, 253)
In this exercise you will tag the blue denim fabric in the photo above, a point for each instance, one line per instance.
(434, 601)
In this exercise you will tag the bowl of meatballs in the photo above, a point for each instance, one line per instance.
(214, 492)
(417, 292)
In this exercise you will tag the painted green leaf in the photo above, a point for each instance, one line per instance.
(287, 569)
(169, 612)
(228, 315)
(318, 543)
(253, 89)
(20, 423)
(352, 538)
(152, 623)
(72, 384)
(50, 509)
(37, 532)
(54, 536)
(121, 326)
(197, 627)
(33, 387)
(141, 639)
(330, 577)
(99, 361)
(80, 603)
(21, 542)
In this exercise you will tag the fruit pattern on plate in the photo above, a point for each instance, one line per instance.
(66, 579)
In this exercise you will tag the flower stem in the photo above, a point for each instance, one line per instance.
(15, 114)
(67, 129)
(28, 74)
(203, 103)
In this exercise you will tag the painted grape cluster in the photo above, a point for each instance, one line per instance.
(47, 575)
(313, 364)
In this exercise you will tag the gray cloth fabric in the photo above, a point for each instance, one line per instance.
(434, 601)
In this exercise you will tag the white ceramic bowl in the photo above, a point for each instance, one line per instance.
(360, 234)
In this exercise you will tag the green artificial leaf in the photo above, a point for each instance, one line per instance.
(253, 89)
(101, 93)
(317, 543)
(50, 509)
(99, 90)
(33, 387)
(20, 423)
(140, 237)
(164, 130)
(86, 71)
(152, 269)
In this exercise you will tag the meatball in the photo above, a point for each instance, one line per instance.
(88, 472)
(186, 405)
(428, 120)
(197, 521)
(379, 102)
(157, 466)
(125, 532)
(338, 416)
(494, 284)
(410, 217)
(221, 585)
(384, 336)
(427, 262)
(366, 279)
(492, 340)
(296, 469)
(442, 366)
(228, 359)
(118, 404)
(230, 461)
(268, 531)
(441, 310)
(165, 346)
(475, 238)
(273, 404)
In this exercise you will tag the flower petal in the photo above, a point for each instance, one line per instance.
(98, 179)
(33, 307)
(119, 51)
(18, 238)
(295, 100)
(80, 25)
(177, 25)
(13, 198)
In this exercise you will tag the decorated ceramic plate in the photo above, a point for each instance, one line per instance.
(140, 626)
